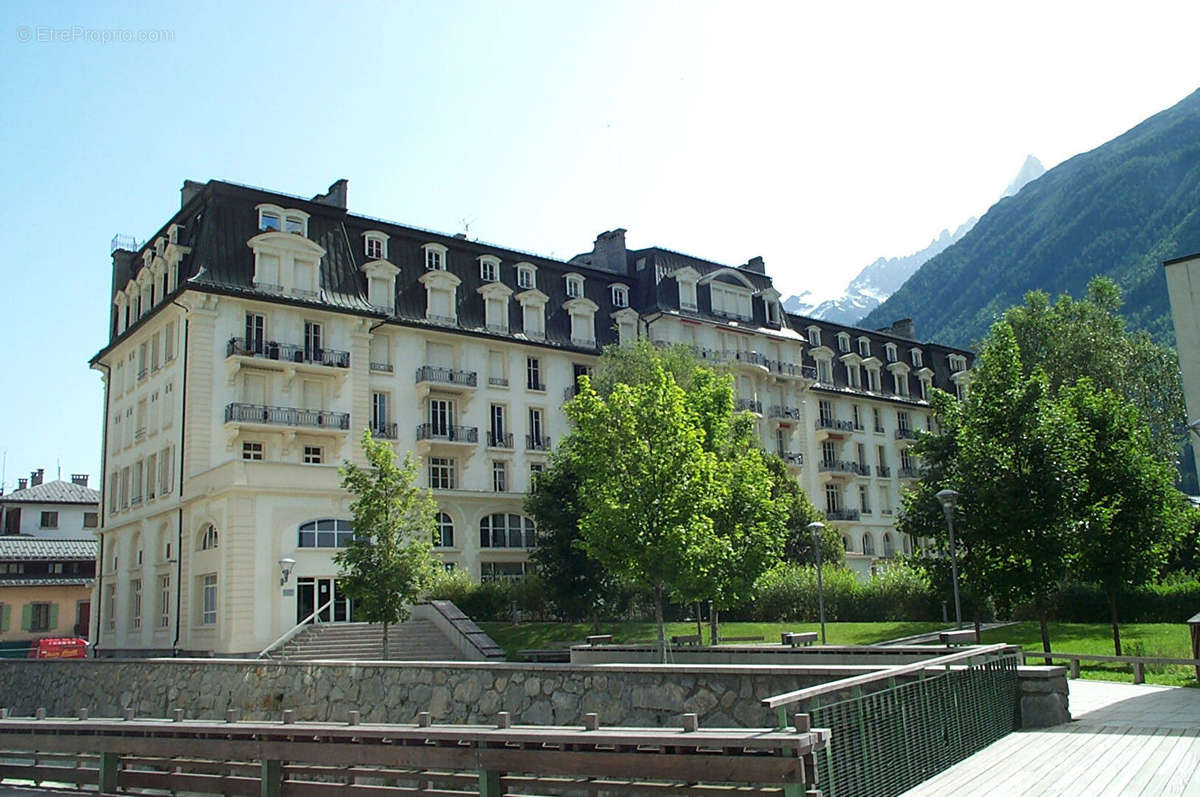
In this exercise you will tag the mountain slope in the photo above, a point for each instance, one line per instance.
(1118, 210)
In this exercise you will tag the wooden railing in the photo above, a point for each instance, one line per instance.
(317, 758)
(1139, 662)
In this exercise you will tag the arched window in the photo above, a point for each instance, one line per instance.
(846, 543)
(506, 531)
(445, 531)
(868, 544)
(137, 550)
(889, 550)
(208, 538)
(326, 533)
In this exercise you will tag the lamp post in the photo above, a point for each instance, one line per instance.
(816, 529)
(949, 498)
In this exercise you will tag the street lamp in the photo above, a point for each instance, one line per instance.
(948, 499)
(816, 529)
(286, 565)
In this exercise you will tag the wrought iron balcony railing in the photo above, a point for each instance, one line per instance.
(842, 514)
(286, 416)
(837, 466)
(748, 405)
(540, 443)
(883, 470)
(906, 434)
(446, 376)
(778, 411)
(495, 440)
(287, 352)
(834, 424)
(448, 433)
(385, 431)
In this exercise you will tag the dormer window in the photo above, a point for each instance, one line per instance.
(376, 246)
(843, 341)
(620, 296)
(294, 224)
(957, 363)
(917, 358)
(890, 352)
(489, 268)
(526, 276)
(574, 286)
(435, 257)
(814, 336)
(864, 347)
(773, 312)
(269, 221)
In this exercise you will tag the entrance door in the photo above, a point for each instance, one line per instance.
(83, 613)
(314, 593)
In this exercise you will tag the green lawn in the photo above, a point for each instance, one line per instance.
(1167, 640)
(543, 635)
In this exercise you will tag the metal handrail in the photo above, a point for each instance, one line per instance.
(884, 674)
(315, 618)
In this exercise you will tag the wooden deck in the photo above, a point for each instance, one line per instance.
(1125, 740)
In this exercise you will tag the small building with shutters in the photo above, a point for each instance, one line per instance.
(45, 589)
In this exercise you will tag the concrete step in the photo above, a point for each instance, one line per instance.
(412, 641)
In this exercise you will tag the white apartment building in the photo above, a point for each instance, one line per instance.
(256, 334)
(55, 510)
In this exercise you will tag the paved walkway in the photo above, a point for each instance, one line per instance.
(1125, 740)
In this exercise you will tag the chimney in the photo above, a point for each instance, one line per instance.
(35, 477)
(22, 484)
(191, 189)
(335, 197)
(904, 328)
(79, 478)
(756, 264)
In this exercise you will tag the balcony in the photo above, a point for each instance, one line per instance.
(571, 392)
(537, 443)
(442, 377)
(750, 359)
(385, 368)
(883, 471)
(287, 353)
(910, 473)
(906, 434)
(448, 433)
(842, 514)
(790, 413)
(497, 381)
(832, 424)
(286, 416)
(791, 370)
(792, 458)
(748, 405)
(495, 440)
(535, 384)
(838, 467)
(384, 431)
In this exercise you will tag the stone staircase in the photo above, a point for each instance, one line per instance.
(413, 640)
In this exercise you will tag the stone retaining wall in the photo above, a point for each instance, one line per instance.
(540, 694)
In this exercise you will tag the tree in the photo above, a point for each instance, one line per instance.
(389, 562)
(1014, 460)
(798, 513)
(1070, 339)
(1132, 513)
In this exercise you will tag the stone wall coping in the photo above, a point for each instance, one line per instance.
(1041, 671)
(835, 671)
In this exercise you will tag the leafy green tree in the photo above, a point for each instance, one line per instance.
(389, 562)
(648, 487)
(1132, 514)
(1070, 339)
(798, 513)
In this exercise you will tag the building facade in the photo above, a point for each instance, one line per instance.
(256, 334)
(1183, 290)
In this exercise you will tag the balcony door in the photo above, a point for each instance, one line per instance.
(254, 388)
(441, 417)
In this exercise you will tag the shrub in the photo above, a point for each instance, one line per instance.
(789, 593)
(1173, 601)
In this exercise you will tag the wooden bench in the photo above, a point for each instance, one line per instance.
(599, 639)
(964, 637)
(797, 638)
(691, 640)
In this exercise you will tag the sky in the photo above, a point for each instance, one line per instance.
(819, 136)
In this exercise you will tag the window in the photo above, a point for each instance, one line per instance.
(111, 606)
(901, 381)
(312, 340)
(868, 547)
(135, 606)
(858, 424)
(506, 531)
(828, 452)
(864, 501)
(620, 296)
(917, 358)
(824, 371)
(825, 411)
(256, 333)
(843, 341)
(526, 276)
(269, 220)
(889, 548)
(501, 571)
(294, 224)
(907, 463)
(574, 286)
(489, 268)
(314, 455)
(164, 600)
(873, 380)
(878, 419)
(890, 352)
(375, 249)
(326, 533)
(536, 431)
(833, 498)
(91, 520)
(169, 342)
(853, 375)
(925, 389)
(49, 520)
(442, 473)
(208, 608)
(533, 374)
(499, 477)
(534, 469)
(435, 257)
(498, 433)
(252, 451)
(903, 421)
(864, 347)
(814, 336)
(379, 414)
(957, 363)
(166, 469)
(208, 538)
(39, 617)
(444, 538)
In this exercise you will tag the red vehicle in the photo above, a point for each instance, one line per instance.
(59, 648)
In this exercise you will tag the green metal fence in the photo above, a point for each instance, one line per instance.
(887, 741)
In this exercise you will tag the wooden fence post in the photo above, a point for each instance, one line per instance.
(107, 774)
(271, 778)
